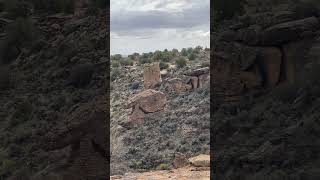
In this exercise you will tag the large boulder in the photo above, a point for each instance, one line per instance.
(148, 101)
(289, 31)
(151, 75)
(201, 160)
(178, 85)
(180, 160)
(199, 78)
(198, 72)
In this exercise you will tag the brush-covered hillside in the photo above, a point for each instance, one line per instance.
(52, 57)
(265, 122)
(181, 127)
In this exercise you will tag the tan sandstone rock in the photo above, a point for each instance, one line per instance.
(148, 101)
(180, 160)
(151, 75)
(194, 81)
(200, 161)
(204, 80)
(179, 85)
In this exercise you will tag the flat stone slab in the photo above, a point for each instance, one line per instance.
(200, 161)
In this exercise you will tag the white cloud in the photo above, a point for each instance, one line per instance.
(149, 25)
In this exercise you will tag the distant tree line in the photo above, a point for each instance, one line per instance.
(164, 57)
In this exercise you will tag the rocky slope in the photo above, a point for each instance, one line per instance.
(265, 69)
(67, 68)
(181, 127)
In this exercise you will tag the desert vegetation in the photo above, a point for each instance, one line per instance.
(269, 115)
(42, 75)
(165, 57)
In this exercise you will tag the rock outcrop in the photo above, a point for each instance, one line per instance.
(260, 52)
(85, 131)
(151, 75)
(179, 85)
(265, 76)
(195, 79)
(201, 160)
(148, 101)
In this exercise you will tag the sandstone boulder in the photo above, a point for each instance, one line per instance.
(204, 80)
(195, 82)
(148, 101)
(200, 161)
(198, 72)
(289, 31)
(180, 160)
(164, 73)
(151, 75)
(198, 78)
(179, 85)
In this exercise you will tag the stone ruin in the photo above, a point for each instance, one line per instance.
(151, 75)
(195, 79)
(148, 101)
(259, 53)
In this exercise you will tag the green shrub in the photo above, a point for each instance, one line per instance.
(163, 65)
(184, 52)
(136, 164)
(115, 72)
(145, 60)
(115, 64)
(174, 52)
(181, 62)
(126, 62)
(198, 49)
(192, 56)
(205, 64)
(116, 57)
(163, 166)
(134, 56)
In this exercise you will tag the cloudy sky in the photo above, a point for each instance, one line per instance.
(149, 25)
